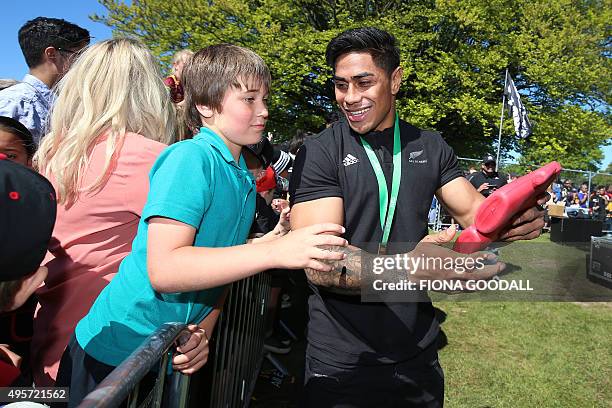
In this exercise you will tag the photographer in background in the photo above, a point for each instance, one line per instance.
(487, 180)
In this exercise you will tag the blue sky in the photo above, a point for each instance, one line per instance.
(16, 13)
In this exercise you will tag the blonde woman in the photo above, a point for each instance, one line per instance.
(111, 120)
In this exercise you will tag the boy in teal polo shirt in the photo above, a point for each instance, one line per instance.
(192, 237)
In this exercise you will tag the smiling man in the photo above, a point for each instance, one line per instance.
(377, 175)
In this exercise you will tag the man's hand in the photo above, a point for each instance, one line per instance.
(528, 224)
(194, 351)
(437, 258)
(483, 187)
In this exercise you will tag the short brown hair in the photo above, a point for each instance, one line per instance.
(8, 290)
(212, 70)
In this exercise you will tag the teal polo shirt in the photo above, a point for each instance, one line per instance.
(196, 182)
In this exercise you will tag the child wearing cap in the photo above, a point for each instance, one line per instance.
(27, 216)
(16, 141)
(192, 237)
(258, 158)
(267, 184)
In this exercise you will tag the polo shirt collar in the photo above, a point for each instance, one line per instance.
(219, 145)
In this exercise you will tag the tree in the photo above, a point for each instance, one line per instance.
(454, 54)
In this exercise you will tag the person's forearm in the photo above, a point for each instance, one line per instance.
(270, 236)
(461, 200)
(203, 268)
(466, 218)
(210, 321)
(345, 276)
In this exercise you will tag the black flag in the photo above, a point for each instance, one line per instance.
(517, 110)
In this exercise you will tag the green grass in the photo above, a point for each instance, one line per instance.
(531, 354)
(527, 355)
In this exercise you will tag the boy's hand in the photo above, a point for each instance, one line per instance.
(300, 248)
(194, 352)
(278, 205)
(284, 223)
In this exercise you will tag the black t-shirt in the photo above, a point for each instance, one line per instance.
(598, 204)
(342, 329)
(495, 180)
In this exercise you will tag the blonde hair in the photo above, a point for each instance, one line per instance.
(182, 55)
(114, 87)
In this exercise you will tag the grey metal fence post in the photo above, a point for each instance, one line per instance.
(589, 191)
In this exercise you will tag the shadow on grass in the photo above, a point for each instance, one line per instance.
(442, 339)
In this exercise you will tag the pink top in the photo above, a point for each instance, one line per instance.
(89, 241)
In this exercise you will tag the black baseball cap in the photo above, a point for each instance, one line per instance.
(28, 208)
(488, 158)
(263, 151)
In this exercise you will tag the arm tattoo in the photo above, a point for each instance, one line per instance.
(345, 277)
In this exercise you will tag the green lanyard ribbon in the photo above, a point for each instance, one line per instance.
(387, 209)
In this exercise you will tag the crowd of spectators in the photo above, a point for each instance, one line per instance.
(596, 203)
(78, 119)
(117, 145)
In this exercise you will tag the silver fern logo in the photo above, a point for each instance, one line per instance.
(413, 155)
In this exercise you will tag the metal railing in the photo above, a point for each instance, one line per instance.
(239, 349)
(124, 382)
(228, 378)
